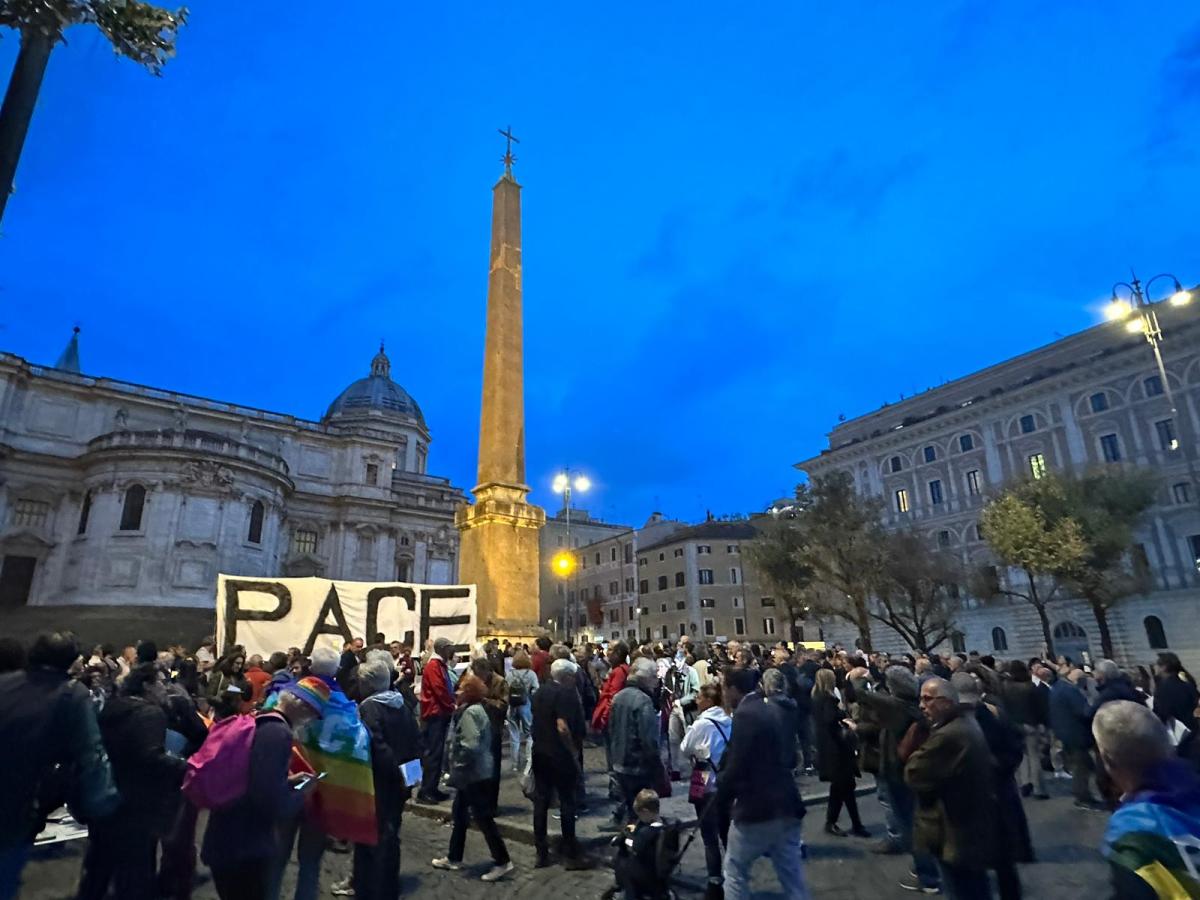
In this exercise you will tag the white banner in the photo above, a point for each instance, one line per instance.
(269, 614)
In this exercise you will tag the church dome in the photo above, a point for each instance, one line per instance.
(375, 394)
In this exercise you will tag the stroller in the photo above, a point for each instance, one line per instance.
(647, 876)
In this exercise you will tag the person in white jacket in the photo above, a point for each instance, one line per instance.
(704, 744)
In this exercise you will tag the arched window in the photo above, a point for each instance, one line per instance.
(958, 642)
(1069, 630)
(254, 535)
(131, 512)
(999, 639)
(85, 510)
(1154, 632)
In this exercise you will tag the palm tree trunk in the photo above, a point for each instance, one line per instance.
(19, 102)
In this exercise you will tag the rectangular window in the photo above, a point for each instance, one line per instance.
(1182, 492)
(643, 586)
(597, 557)
(678, 552)
(570, 596)
(902, 500)
(629, 585)
(732, 548)
(681, 604)
(304, 541)
(733, 576)
(930, 454)
(1110, 449)
(641, 561)
(767, 601)
(1166, 434)
(739, 626)
(737, 602)
(768, 626)
(703, 549)
(1028, 424)
(895, 464)
(1153, 386)
(710, 628)
(966, 442)
(935, 492)
(973, 483)
(663, 632)
(30, 513)
(1099, 402)
(706, 576)
(707, 603)
(1037, 465)
(372, 473)
(662, 582)
(679, 579)
(596, 592)
(664, 607)
(614, 588)
(628, 554)
(943, 539)
(645, 611)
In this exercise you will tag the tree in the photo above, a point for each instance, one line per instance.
(914, 595)
(775, 556)
(139, 31)
(1016, 527)
(1106, 505)
(842, 543)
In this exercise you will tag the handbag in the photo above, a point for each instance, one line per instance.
(698, 786)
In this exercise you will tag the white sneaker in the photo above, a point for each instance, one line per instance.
(496, 872)
(444, 862)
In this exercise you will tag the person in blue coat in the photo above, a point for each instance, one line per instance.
(1070, 720)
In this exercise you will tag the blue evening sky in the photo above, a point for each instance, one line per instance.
(740, 219)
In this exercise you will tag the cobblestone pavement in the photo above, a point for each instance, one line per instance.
(838, 868)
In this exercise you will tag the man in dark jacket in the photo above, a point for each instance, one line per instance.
(1071, 723)
(395, 741)
(46, 719)
(121, 847)
(634, 728)
(951, 775)
(1112, 684)
(558, 730)
(757, 779)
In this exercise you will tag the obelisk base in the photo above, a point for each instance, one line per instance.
(499, 554)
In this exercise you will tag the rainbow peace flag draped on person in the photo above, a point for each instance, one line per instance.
(339, 745)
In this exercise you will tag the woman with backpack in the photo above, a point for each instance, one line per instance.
(704, 744)
(521, 685)
(469, 768)
(495, 704)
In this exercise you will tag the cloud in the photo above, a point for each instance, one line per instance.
(1177, 105)
(840, 181)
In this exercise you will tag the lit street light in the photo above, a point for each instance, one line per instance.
(1139, 315)
(563, 564)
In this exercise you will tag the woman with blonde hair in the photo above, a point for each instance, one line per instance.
(521, 686)
(837, 762)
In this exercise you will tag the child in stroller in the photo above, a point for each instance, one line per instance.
(648, 851)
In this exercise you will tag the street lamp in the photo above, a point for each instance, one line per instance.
(564, 564)
(1139, 315)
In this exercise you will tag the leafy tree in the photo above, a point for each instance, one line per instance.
(1106, 505)
(842, 543)
(775, 555)
(139, 31)
(1016, 527)
(914, 595)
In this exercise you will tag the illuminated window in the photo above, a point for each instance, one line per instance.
(902, 501)
(768, 626)
(1037, 465)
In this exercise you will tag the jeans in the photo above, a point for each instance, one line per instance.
(1079, 764)
(714, 831)
(779, 838)
(434, 739)
(894, 835)
(12, 862)
(120, 854)
(960, 883)
(903, 808)
(520, 719)
(243, 881)
(551, 777)
(377, 869)
(473, 801)
(1031, 766)
(309, 841)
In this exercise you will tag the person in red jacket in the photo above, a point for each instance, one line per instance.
(618, 659)
(437, 708)
(258, 677)
(541, 659)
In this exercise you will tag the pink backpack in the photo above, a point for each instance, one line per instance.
(218, 774)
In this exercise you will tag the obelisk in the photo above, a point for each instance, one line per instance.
(499, 548)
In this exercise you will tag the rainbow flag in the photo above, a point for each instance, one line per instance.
(339, 745)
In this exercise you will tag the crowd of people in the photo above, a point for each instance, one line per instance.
(295, 754)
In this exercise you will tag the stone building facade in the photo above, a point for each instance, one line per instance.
(116, 493)
(1092, 399)
(557, 594)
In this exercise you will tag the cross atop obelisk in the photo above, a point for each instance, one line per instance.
(508, 159)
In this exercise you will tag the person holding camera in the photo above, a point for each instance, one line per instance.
(684, 684)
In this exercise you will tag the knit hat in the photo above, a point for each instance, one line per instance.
(312, 691)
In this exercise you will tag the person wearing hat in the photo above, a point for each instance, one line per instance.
(241, 844)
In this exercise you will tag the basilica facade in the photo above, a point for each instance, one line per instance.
(116, 493)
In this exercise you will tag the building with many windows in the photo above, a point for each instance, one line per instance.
(115, 493)
(1092, 399)
(557, 594)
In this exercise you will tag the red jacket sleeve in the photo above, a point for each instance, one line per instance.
(436, 699)
(612, 686)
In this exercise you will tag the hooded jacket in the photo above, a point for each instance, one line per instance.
(706, 741)
(395, 740)
(134, 730)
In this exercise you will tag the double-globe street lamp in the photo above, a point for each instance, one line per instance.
(564, 562)
(1132, 305)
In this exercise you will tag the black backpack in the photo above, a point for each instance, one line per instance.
(518, 692)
